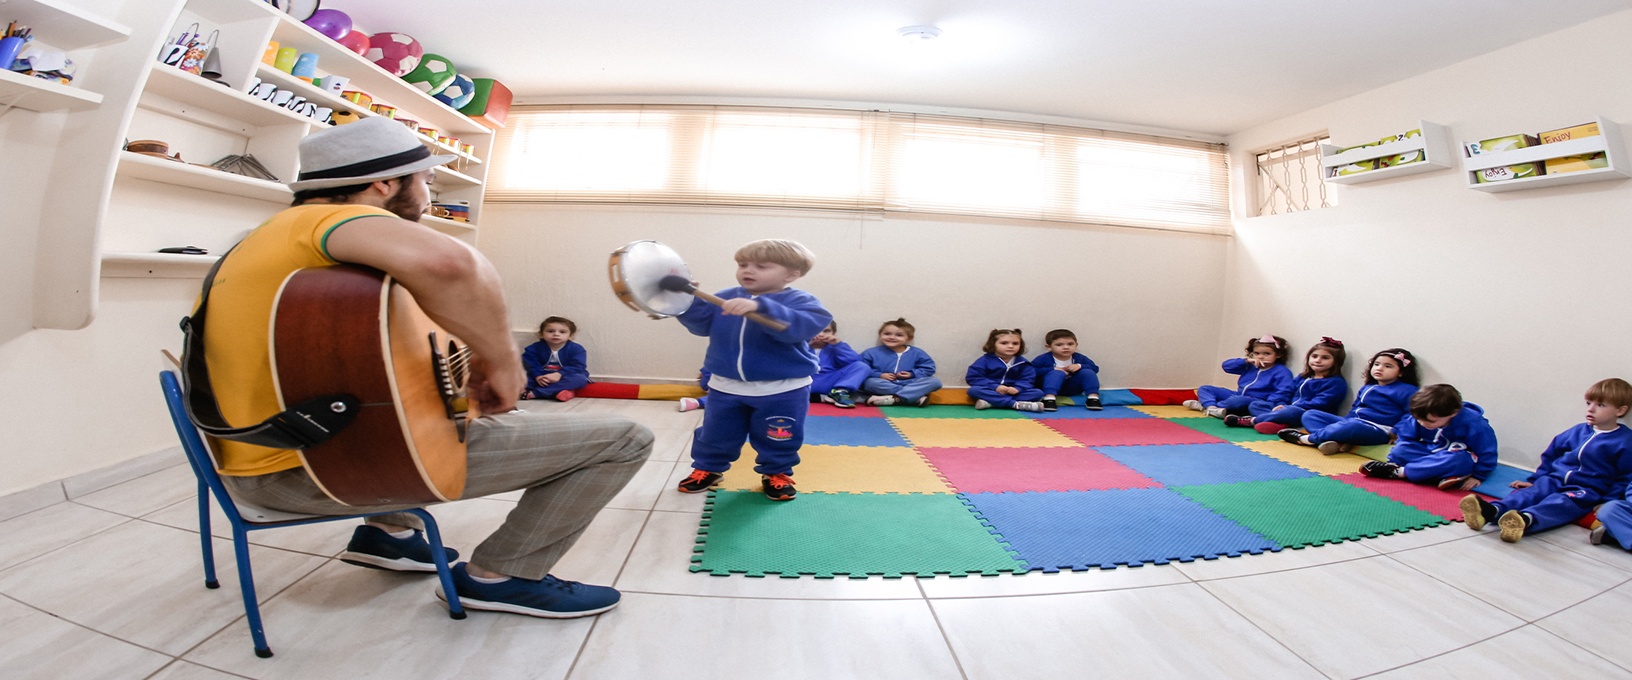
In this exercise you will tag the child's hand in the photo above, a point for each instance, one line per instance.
(541, 381)
(1073, 368)
(739, 306)
(1007, 389)
(1521, 484)
(903, 375)
(550, 378)
(1277, 408)
(887, 376)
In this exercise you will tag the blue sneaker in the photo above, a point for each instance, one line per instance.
(371, 547)
(549, 597)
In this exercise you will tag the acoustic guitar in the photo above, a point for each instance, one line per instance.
(347, 329)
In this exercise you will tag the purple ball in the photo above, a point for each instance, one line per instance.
(331, 22)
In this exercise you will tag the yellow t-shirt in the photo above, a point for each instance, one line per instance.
(238, 328)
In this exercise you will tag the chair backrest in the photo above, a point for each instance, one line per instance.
(198, 456)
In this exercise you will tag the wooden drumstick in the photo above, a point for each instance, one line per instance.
(679, 284)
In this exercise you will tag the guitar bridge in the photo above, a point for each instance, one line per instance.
(452, 371)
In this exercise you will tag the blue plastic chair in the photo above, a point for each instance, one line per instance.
(246, 518)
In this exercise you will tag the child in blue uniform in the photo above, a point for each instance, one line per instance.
(839, 369)
(1582, 467)
(1445, 441)
(1002, 378)
(1264, 375)
(1391, 380)
(897, 372)
(1320, 387)
(555, 364)
(760, 387)
(1061, 371)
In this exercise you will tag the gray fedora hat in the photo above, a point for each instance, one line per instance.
(366, 151)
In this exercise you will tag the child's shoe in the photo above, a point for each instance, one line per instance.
(922, 401)
(1330, 448)
(549, 597)
(883, 400)
(1292, 435)
(1215, 412)
(778, 487)
(982, 404)
(372, 547)
(1450, 483)
(1476, 512)
(1513, 524)
(1268, 428)
(1092, 403)
(689, 404)
(1382, 470)
(1238, 421)
(839, 397)
(1598, 533)
(1193, 405)
(564, 395)
(1051, 404)
(699, 481)
(1031, 406)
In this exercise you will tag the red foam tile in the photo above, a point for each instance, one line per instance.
(857, 412)
(997, 470)
(1421, 496)
(609, 391)
(1129, 432)
(1163, 397)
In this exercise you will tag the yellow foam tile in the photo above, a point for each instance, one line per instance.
(1379, 452)
(1169, 411)
(847, 469)
(1308, 458)
(979, 432)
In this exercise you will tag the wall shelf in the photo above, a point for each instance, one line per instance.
(446, 176)
(185, 95)
(63, 26)
(447, 226)
(126, 265)
(1434, 143)
(43, 96)
(203, 178)
(323, 97)
(1607, 141)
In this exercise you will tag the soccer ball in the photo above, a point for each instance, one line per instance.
(434, 73)
(459, 92)
(397, 53)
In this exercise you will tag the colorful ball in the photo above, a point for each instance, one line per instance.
(356, 41)
(330, 22)
(397, 53)
(433, 73)
(459, 92)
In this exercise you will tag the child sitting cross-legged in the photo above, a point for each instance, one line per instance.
(1582, 467)
(556, 366)
(1264, 376)
(1002, 378)
(1064, 372)
(839, 369)
(1445, 441)
(898, 372)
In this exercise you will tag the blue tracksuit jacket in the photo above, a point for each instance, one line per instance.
(572, 363)
(1465, 446)
(743, 350)
(1320, 394)
(989, 372)
(1383, 404)
(834, 357)
(1273, 384)
(1043, 363)
(883, 360)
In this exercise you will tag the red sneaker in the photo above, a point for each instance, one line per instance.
(564, 395)
(1268, 428)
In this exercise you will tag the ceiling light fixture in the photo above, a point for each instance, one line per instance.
(918, 33)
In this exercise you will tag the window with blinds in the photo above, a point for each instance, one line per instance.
(858, 160)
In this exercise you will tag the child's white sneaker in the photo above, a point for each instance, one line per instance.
(883, 400)
(982, 404)
(688, 404)
(1193, 405)
(1216, 412)
(1032, 406)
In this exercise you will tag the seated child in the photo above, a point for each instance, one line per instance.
(1002, 378)
(694, 403)
(839, 369)
(898, 373)
(1263, 376)
(1063, 372)
(760, 387)
(1445, 441)
(1582, 467)
(1320, 387)
(1391, 379)
(555, 364)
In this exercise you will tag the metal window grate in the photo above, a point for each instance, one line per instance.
(1290, 180)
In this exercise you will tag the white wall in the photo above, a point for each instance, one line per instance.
(1144, 303)
(1519, 299)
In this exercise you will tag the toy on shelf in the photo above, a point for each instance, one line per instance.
(433, 74)
(301, 10)
(356, 41)
(332, 23)
(397, 53)
(458, 93)
(490, 105)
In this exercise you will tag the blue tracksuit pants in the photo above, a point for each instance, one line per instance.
(909, 390)
(847, 378)
(1084, 381)
(1325, 427)
(774, 425)
(1617, 516)
(1549, 503)
(1427, 466)
(549, 391)
(1264, 412)
(1005, 400)
(1213, 395)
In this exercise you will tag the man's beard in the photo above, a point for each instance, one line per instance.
(402, 204)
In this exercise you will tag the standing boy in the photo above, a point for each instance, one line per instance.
(759, 390)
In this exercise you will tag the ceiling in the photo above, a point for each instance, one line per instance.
(1213, 67)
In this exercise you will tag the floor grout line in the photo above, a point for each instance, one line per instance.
(941, 627)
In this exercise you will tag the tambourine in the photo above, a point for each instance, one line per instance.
(637, 271)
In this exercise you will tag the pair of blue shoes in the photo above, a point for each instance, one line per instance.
(549, 597)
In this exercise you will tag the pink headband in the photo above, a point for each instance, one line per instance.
(1400, 357)
(1271, 341)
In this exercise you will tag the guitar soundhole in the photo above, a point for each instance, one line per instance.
(452, 370)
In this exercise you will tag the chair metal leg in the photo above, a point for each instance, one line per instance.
(204, 536)
(246, 583)
(440, 556)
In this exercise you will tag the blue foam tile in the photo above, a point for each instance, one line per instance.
(846, 431)
(1080, 413)
(1497, 484)
(1118, 398)
(1198, 464)
(1080, 529)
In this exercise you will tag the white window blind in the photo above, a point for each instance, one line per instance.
(858, 160)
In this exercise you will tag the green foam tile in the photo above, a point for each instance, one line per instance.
(1309, 511)
(950, 411)
(1217, 428)
(855, 535)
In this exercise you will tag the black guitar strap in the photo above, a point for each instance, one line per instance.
(308, 424)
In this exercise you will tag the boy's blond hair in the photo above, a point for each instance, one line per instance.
(1612, 391)
(790, 254)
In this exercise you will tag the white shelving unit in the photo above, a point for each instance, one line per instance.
(122, 265)
(43, 96)
(173, 91)
(1434, 143)
(200, 177)
(322, 97)
(62, 25)
(1607, 141)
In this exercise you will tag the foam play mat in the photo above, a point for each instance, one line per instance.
(946, 489)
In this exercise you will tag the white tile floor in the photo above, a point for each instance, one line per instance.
(109, 585)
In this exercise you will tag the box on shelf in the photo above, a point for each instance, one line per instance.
(1569, 133)
(1401, 158)
(1591, 161)
(1353, 168)
(491, 104)
(1505, 172)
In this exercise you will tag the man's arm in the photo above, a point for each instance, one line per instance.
(455, 286)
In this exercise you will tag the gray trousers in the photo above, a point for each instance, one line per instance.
(570, 466)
